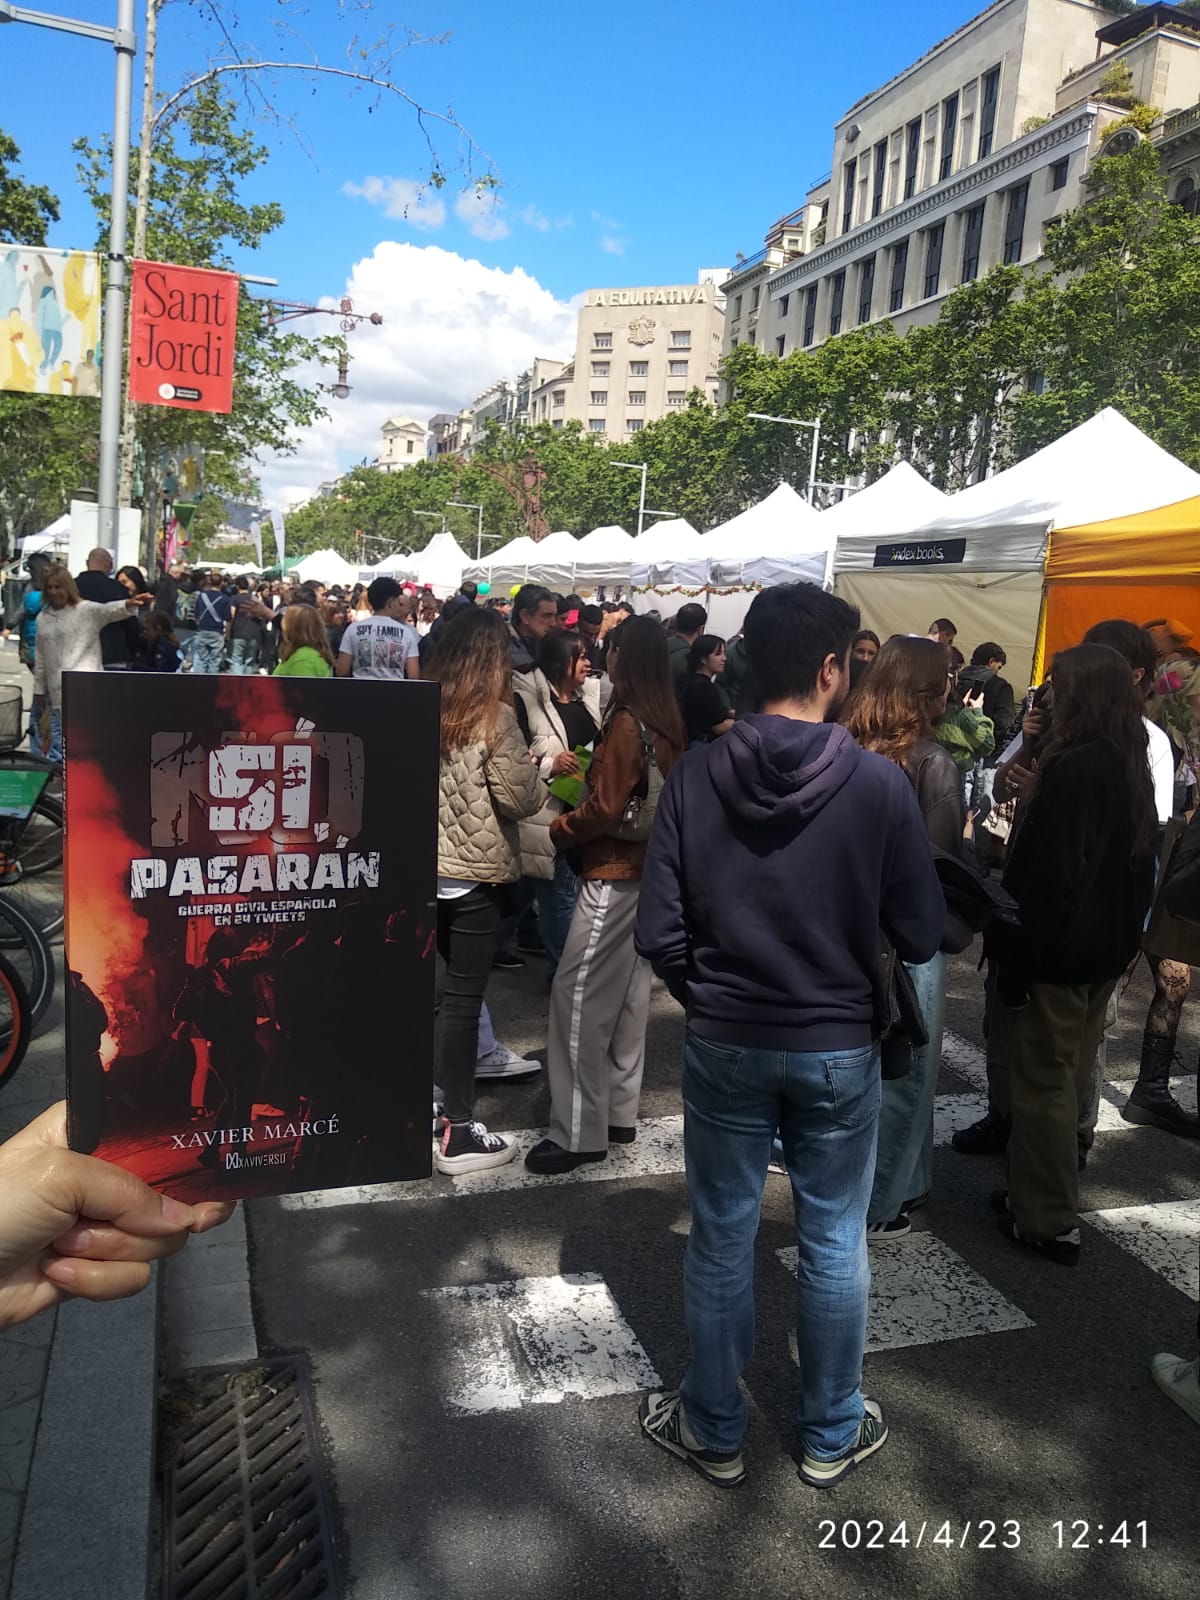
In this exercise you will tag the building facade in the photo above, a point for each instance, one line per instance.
(403, 444)
(960, 162)
(638, 354)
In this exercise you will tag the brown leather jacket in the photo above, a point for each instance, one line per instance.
(618, 770)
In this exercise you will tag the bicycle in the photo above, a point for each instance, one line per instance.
(31, 824)
(16, 1023)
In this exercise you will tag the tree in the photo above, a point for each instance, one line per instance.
(47, 442)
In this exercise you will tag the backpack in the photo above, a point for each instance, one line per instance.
(185, 608)
(638, 816)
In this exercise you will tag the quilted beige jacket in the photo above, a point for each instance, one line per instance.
(547, 739)
(483, 794)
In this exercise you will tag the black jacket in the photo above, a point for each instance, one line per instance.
(936, 779)
(1082, 893)
(120, 642)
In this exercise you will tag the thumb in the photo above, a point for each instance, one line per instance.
(82, 1186)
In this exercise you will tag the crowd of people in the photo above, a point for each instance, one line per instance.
(794, 829)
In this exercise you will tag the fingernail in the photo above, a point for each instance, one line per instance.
(61, 1272)
(75, 1242)
(175, 1213)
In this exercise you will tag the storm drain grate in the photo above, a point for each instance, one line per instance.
(245, 1509)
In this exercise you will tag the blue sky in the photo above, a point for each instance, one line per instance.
(636, 141)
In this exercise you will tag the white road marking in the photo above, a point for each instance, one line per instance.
(1163, 1237)
(960, 1056)
(922, 1292)
(538, 1341)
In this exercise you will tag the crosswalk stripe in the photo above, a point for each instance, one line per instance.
(1164, 1237)
(537, 1341)
(922, 1292)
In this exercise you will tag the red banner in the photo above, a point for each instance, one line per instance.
(183, 330)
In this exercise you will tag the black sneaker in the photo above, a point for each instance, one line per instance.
(895, 1229)
(508, 962)
(985, 1137)
(872, 1433)
(662, 1419)
(469, 1147)
(546, 1157)
(1063, 1249)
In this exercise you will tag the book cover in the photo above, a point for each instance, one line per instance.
(250, 880)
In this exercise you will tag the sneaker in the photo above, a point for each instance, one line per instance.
(547, 1158)
(508, 962)
(439, 1116)
(1062, 1249)
(985, 1137)
(1180, 1380)
(872, 1433)
(777, 1165)
(895, 1229)
(662, 1419)
(469, 1147)
(501, 1062)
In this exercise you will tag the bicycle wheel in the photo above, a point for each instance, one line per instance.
(16, 1023)
(34, 880)
(25, 947)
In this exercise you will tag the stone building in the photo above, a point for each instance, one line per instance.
(403, 444)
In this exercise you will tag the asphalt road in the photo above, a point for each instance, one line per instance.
(479, 1344)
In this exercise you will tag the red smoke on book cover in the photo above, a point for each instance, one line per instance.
(232, 1004)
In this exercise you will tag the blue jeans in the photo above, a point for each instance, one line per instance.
(243, 656)
(55, 752)
(826, 1108)
(904, 1165)
(207, 650)
(555, 899)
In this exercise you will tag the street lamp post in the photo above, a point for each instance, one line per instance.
(441, 514)
(469, 505)
(124, 42)
(798, 422)
(642, 467)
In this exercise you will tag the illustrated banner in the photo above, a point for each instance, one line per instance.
(183, 329)
(250, 897)
(49, 320)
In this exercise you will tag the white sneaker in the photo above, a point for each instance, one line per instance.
(501, 1062)
(1180, 1380)
(469, 1147)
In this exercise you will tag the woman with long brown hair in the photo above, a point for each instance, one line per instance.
(487, 784)
(895, 711)
(601, 993)
(304, 650)
(1081, 869)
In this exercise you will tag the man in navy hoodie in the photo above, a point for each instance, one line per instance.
(778, 856)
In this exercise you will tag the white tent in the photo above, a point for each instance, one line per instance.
(553, 562)
(441, 564)
(898, 501)
(393, 566)
(324, 566)
(505, 566)
(604, 557)
(655, 555)
(54, 537)
(980, 561)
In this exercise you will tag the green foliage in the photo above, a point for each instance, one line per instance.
(1139, 116)
(1116, 84)
(26, 209)
(1032, 124)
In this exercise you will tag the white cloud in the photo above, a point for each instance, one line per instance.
(533, 218)
(611, 245)
(481, 210)
(451, 327)
(402, 198)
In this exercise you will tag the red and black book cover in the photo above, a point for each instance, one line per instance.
(251, 868)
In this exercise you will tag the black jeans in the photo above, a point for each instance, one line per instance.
(466, 941)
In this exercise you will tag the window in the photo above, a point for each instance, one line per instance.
(972, 234)
(791, 242)
(754, 294)
(560, 397)
(557, 423)
(675, 397)
(933, 258)
(880, 177)
(636, 424)
(677, 369)
(912, 155)
(595, 424)
(410, 447)
(837, 293)
(737, 307)
(783, 302)
(848, 175)
(1186, 196)
(949, 132)
(866, 288)
(681, 338)
(987, 115)
(899, 273)
(780, 343)
(810, 314)
(637, 397)
(600, 369)
(639, 369)
(602, 341)
(1014, 222)
(1058, 173)
(599, 397)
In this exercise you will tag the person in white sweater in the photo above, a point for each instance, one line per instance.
(68, 640)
